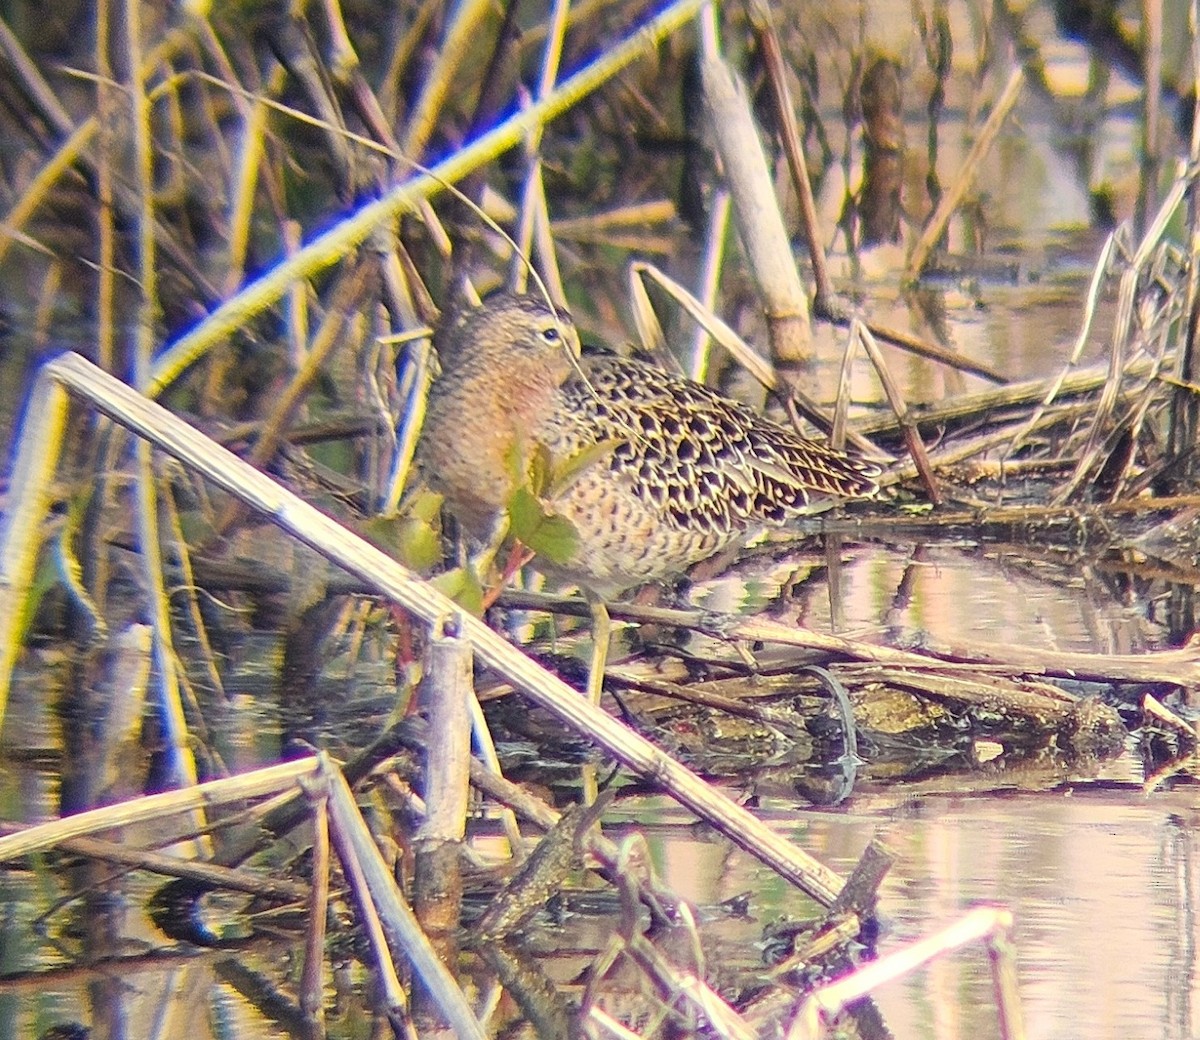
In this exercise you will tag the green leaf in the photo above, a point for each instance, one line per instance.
(542, 530)
(413, 538)
(525, 514)
(541, 470)
(556, 539)
(563, 475)
(420, 547)
(425, 505)
(514, 460)
(463, 586)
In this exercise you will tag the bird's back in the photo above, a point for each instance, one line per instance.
(680, 472)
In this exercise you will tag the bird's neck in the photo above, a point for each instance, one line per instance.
(484, 425)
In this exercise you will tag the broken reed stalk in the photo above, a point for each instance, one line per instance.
(760, 368)
(1175, 667)
(342, 833)
(311, 989)
(1153, 708)
(210, 874)
(702, 313)
(376, 891)
(44, 836)
(708, 280)
(862, 886)
(447, 694)
(756, 210)
(793, 149)
(1185, 407)
(923, 348)
(1123, 325)
(1015, 395)
(990, 925)
(895, 398)
(437, 889)
(971, 449)
(41, 446)
(1099, 277)
(841, 401)
(1110, 392)
(649, 329)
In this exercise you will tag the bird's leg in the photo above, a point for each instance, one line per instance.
(601, 634)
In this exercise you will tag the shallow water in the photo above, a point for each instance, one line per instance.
(1097, 873)
(1100, 875)
(1100, 879)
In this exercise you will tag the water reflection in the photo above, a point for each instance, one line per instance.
(1100, 883)
(1100, 886)
(938, 594)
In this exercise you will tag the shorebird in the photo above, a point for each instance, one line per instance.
(656, 472)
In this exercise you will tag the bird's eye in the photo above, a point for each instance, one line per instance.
(550, 334)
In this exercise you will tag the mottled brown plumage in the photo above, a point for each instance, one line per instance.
(681, 472)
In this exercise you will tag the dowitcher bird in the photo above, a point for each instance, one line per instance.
(670, 472)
